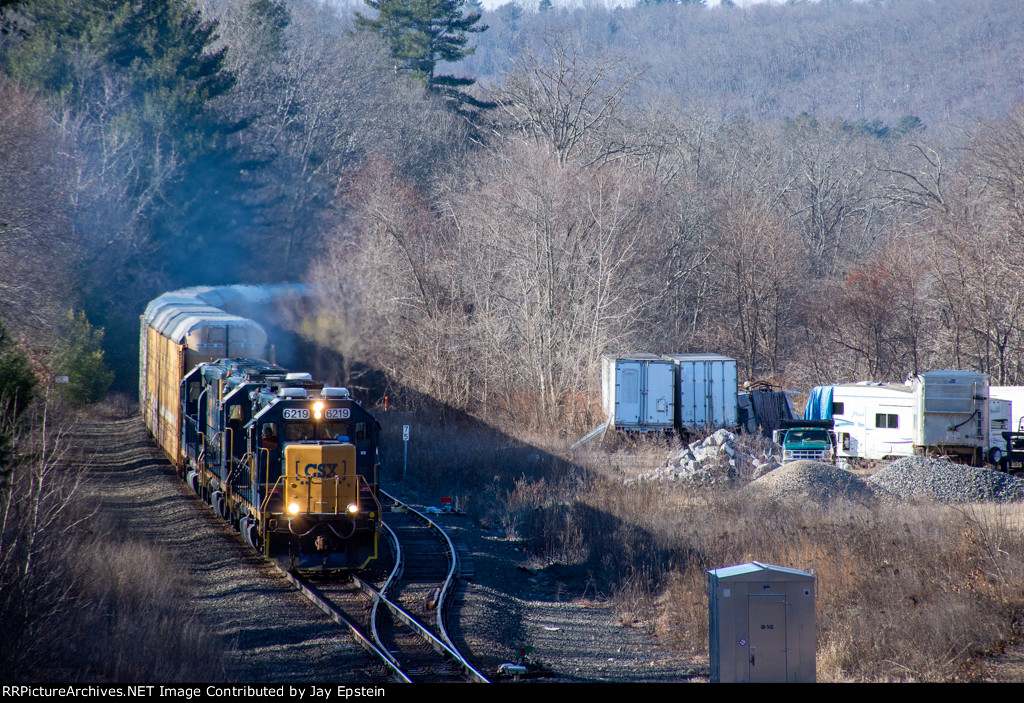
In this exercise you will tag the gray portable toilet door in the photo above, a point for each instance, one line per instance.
(766, 616)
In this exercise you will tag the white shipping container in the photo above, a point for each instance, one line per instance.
(637, 392)
(706, 390)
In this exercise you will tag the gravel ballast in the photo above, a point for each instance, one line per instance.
(270, 632)
(916, 477)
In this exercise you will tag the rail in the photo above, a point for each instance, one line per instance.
(340, 618)
(442, 644)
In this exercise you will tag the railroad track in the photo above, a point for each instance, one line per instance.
(402, 622)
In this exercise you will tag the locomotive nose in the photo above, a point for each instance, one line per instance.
(320, 479)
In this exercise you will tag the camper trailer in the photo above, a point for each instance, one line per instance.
(940, 412)
(873, 420)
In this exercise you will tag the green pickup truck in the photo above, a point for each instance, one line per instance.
(806, 439)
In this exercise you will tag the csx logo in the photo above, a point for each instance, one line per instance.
(318, 470)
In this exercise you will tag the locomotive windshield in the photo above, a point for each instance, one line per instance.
(333, 430)
(298, 431)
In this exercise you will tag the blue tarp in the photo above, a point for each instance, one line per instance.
(819, 404)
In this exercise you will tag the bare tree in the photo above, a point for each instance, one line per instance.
(569, 100)
(757, 268)
(380, 276)
(877, 323)
(556, 257)
(828, 189)
(317, 100)
(36, 248)
(39, 517)
(998, 155)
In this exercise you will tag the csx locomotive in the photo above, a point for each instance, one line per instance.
(291, 462)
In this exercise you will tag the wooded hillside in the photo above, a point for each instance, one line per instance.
(825, 191)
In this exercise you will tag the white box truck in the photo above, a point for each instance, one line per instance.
(638, 392)
(706, 392)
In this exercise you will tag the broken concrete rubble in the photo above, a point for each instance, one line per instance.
(722, 458)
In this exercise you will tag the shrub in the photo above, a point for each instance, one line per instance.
(81, 359)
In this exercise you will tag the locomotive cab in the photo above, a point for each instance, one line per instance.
(320, 509)
(326, 519)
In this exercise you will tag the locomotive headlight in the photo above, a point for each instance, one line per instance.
(318, 409)
(293, 508)
(353, 508)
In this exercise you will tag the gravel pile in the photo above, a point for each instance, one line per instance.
(718, 459)
(813, 480)
(920, 477)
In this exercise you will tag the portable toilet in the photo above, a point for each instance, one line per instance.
(761, 624)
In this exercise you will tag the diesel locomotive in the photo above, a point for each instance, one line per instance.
(291, 462)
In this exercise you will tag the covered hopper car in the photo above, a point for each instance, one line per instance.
(291, 462)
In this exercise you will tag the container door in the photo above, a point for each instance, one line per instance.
(723, 400)
(627, 393)
(688, 389)
(703, 377)
(767, 641)
(659, 392)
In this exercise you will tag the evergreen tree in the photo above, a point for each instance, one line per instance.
(17, 386)
(136, 85)
(422, 33)
(7, 24)
(81, 359)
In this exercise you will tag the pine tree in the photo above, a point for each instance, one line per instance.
(17, 387)
(422, 33)
(139, 83)
(80, 358)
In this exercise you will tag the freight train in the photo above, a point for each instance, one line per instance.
(291, 462)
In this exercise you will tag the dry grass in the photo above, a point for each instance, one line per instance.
(904, 592)
(137, 609)
(80, 602)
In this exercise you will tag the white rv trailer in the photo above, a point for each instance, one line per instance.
(1015, 396)
(937, 411)
(874, 420)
